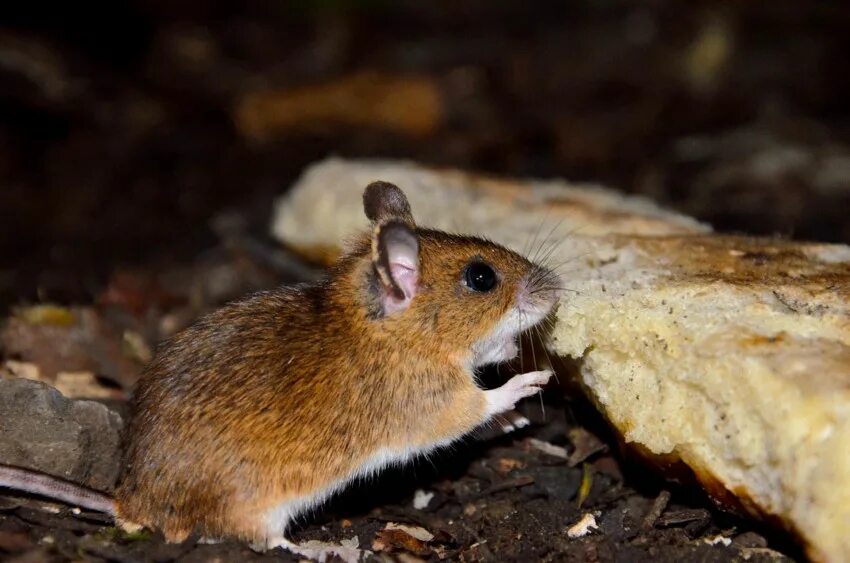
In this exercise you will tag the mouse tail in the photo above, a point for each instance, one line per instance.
(36, 483)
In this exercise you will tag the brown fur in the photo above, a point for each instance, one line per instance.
(288, 391)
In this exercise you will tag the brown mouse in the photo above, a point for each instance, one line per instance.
(266, 407)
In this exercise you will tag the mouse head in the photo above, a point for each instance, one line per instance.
(463, 295)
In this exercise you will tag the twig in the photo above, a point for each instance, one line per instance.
(657, 509)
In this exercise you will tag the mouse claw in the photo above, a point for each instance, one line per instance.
(521, 422)
(514, 421)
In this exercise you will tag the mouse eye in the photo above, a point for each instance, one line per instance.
(478, 276)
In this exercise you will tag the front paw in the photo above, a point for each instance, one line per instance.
(517, 388)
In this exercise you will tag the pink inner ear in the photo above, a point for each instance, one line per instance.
(406, 277)
(399, 248)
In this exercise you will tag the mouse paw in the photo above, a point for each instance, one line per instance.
(347, 550)
(518, 387)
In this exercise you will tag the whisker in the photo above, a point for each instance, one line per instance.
(546, 239)
(533, 240)
(555, 288)
(552, 324)
(531, 336)
(521, 358)
(557, 244)
(568, 260)
(533, 355)
(539, 335)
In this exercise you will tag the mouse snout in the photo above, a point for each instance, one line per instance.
(538, 291)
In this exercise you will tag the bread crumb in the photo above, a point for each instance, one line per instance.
(718, 540)
(583, 527)
(421, 499)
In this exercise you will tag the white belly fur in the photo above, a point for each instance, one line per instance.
(278, 518)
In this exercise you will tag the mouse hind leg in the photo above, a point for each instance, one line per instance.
(277, 521)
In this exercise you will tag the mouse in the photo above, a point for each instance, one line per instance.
(266, 407)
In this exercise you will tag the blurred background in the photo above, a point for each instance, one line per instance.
(131, 131)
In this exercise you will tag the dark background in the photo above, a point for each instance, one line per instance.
(121, 136)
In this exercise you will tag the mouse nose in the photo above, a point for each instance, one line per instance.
(540, 289)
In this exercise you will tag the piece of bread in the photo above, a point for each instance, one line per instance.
(325, 206)
(730, 354)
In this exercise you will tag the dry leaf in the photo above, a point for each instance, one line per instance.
(417, 532)
(46, 314)
(24, 370)
(547, 448)
(84, 385)
(135, 347)
(74, 385)
(586, 484)
(90, 343)
(505, 465)
(394, 540)
(585, 444)
(347, 550)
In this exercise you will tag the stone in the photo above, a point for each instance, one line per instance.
(76, 440)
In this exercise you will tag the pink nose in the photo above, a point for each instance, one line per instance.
(539, 289)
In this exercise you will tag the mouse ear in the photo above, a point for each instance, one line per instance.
(384, 202)
(395, 256)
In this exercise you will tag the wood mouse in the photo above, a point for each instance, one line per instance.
(266, 407)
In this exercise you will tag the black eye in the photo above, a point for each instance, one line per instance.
(479, 277)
